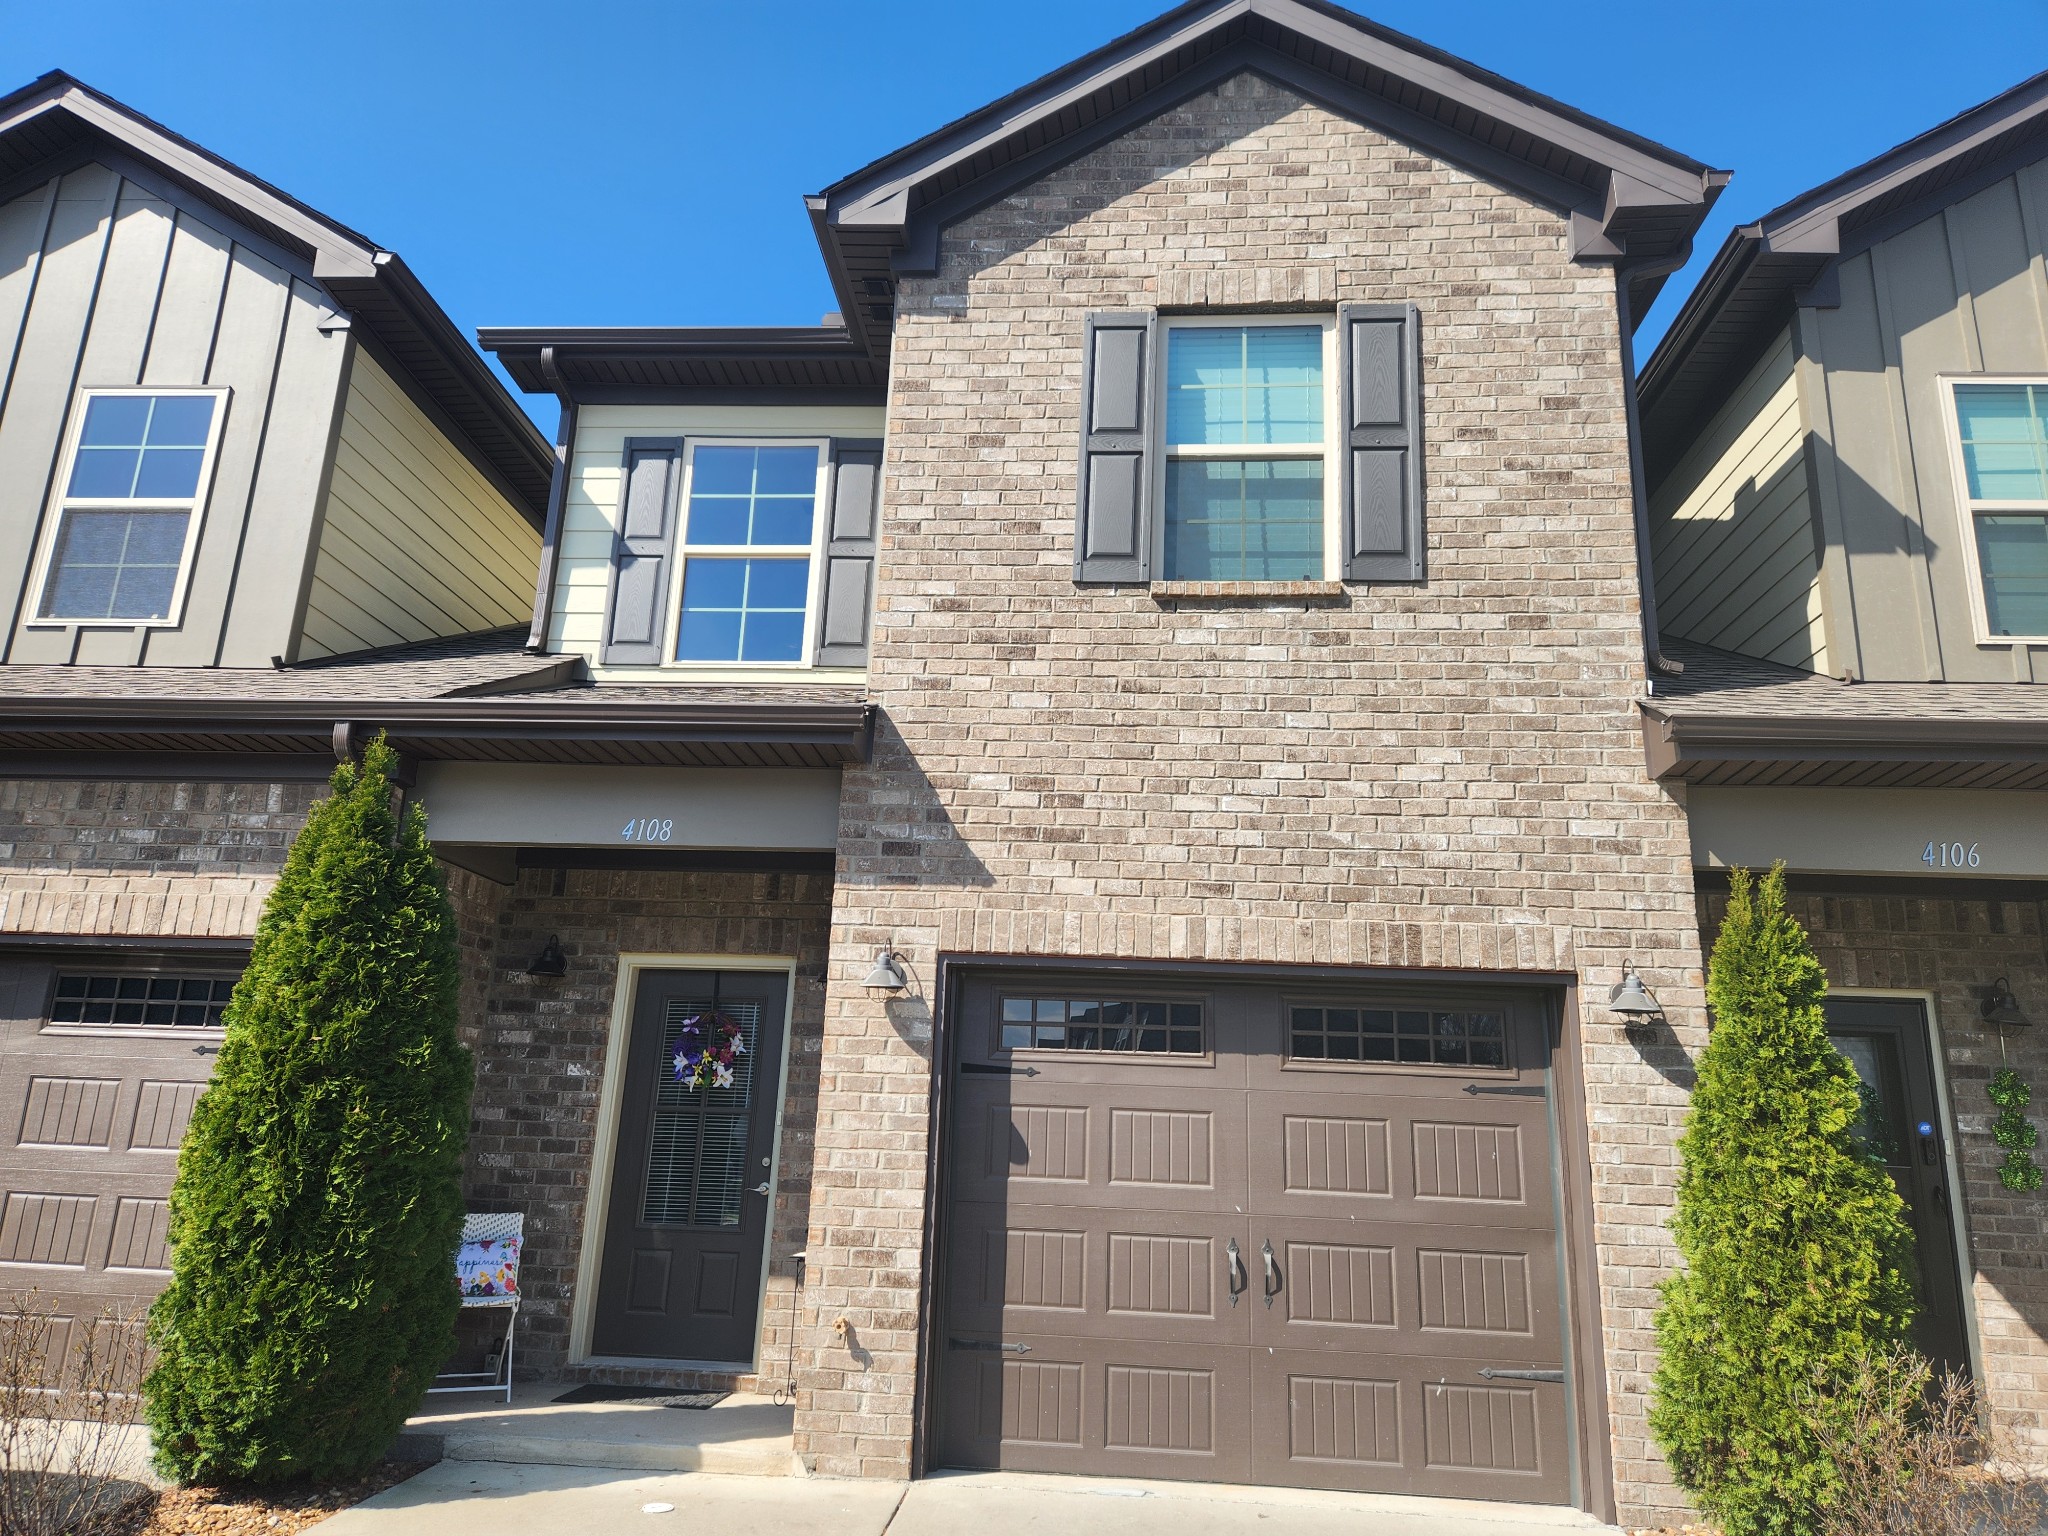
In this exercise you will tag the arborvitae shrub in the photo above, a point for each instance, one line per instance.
(318, 1200)
(1796, 1253)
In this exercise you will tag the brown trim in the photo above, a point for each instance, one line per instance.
(763, 861)
(1714, 882)
(169, 767)
(1809, 750)
(129, 946)
(764, 732)
(1587, 1342)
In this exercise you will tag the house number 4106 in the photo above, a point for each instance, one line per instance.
(1950, 856)
(648, 829)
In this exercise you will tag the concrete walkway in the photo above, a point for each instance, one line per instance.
(528, 1500)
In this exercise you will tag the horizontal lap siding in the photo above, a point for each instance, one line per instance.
(583, 571)
(104, 283)
(416, 542)
(1732, 528)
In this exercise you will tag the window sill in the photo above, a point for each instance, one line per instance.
(1226, 590)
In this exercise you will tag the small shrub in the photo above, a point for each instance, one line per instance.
(317, 1205)
(68, 1447)
(1915, 1457)
(1796, 1254)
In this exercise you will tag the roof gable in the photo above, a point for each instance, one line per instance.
(1624, 194)
(56, 123)
(1766, 269)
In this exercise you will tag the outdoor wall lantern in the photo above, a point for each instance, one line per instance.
(2001, 1009)
(1631, 999)
(550, 961)
(888, 972)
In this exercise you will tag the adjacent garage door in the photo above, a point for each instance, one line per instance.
(101, 1060)
(1254, 1233)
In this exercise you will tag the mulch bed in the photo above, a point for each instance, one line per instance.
(276, 1511)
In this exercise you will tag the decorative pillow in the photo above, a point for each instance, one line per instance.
(488, 1268)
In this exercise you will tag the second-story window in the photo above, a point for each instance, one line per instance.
(1249, 487)
(749, 530)
(2004, 435)
(133, 480)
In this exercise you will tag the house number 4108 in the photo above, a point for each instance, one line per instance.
(648, 829)
(1950, 856)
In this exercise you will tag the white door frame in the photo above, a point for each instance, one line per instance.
(604, 1148)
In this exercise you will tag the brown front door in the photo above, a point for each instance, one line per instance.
(1887, 1041)
(1254, 1233)
(691, 1186)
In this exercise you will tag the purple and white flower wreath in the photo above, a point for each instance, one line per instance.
(708, 1046)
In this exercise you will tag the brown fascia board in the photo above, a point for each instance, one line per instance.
(527, 351)
(1769, 265)
(1674, 743)
(847, 725)
(348, 264)
(895, 199)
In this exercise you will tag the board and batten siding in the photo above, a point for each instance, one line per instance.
(590, 517)
(106, 282)
(1961, 292)
(1731, 527)
(416, 542)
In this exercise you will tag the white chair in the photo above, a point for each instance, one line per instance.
(487, 1274)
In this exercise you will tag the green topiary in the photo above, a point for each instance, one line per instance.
(318, 1200)
(1797, 1257)
(2014, 1132)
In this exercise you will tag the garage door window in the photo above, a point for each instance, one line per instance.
(1415, 1036)
(140, 1002)
(1123, 1026)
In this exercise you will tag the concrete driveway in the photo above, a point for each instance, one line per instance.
(516, 1500)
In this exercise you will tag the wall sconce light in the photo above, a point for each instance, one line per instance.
(888, 972)
(1631, 999)
(2001, 1009)
(550, 961)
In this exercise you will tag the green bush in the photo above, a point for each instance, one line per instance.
(318, 1201)
(1797, 1258)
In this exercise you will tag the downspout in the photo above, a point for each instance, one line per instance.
(1626, 272)
(558, 500)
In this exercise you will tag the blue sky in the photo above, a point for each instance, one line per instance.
(608, 163)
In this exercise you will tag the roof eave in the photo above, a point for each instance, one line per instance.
(1788, 750)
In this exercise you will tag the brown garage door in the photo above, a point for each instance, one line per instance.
(1254, 1233)
(100, 1062)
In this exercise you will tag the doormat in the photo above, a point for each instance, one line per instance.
(659, 1397)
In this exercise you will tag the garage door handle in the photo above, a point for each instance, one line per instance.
(1240, 1282)
(1492, 1375)
(1272, 1271)
(990, 1346)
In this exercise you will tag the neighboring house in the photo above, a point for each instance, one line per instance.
(1138, 719)
(1846, 438)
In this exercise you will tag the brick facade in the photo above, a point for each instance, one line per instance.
(540, 1053)
(1951, 948)
(186, 860)
(1447, 775)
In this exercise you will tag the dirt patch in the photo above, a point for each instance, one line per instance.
(244, 1511)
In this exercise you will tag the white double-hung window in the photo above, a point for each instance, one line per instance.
(1250, 475)
(131, 490)
(2002, 434)
(748, 579)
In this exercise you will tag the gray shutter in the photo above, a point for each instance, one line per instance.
(1113, 528)
(850, 525)
(643, 554)
(1380, 351)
